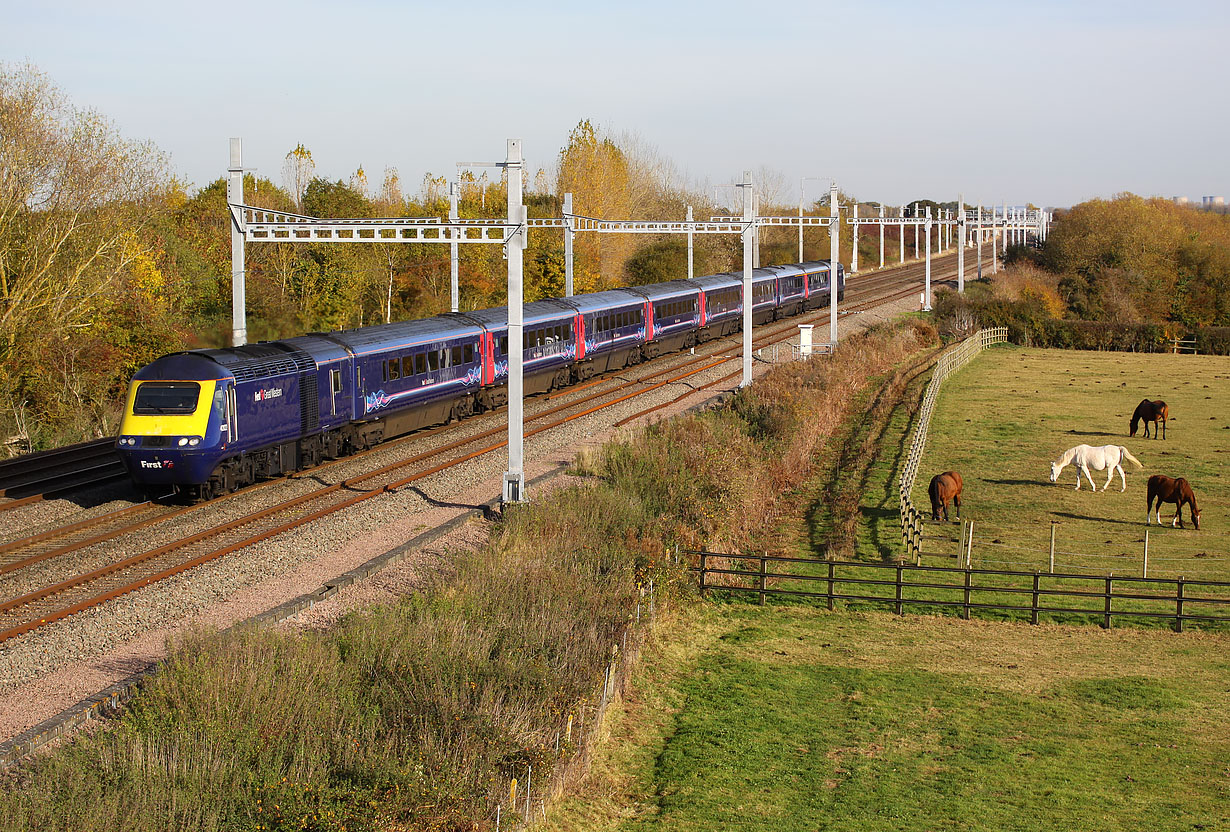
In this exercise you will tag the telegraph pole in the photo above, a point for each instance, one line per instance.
(834, 256)
(568, 232)
(454, 284)
(514, 478)
(749, 240)
(234, 196)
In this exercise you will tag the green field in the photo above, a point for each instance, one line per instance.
(791, 718)
(1003, 418)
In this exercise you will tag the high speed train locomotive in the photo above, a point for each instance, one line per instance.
(206, 422)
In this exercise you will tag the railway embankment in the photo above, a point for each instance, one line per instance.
(423, 711)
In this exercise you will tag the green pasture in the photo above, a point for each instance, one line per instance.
(792, 718)
(1003, 418)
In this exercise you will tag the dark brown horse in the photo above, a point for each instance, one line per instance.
(945, 487)
(1177, 491)
(1154, 412)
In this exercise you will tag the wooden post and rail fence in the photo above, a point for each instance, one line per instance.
(968, 589)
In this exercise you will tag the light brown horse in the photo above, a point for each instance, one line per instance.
(1177, 491)
(1154, 412)
(944, 487)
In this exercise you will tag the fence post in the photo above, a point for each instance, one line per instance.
(1033, 608)
(763, 561)
(702, 575)
(1144, 566)
(900, 575)
(1106, 614)
(1052, 547)
(1178, 606)
(832, 567)
(961, 546)
(969, 581)
(969, 551)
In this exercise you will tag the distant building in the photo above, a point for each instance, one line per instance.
(1181, 200)
(1214, 201)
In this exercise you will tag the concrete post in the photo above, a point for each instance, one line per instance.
(927, 270)
(749, 243)
(834, 257)
(915, 217)
(452, 247)
(994, 244)
(881, 235)
(690, 270)
(234, 198)
(1005, 228)
(960, 243)
(569, 226)
(979, 237)
(755, 231)
(854, 250)
(514, 478)
(901, 239)
(800, 222)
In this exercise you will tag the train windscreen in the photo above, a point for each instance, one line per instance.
(157, 397)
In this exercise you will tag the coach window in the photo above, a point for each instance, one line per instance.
(433, 361)
(394, 369)
(456, 356)
(568, 331)
(420, 364)
(468, 356)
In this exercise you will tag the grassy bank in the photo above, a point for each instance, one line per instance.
(785, 718)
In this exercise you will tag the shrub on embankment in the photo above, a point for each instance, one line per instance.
(416, 715)
(1031, 324)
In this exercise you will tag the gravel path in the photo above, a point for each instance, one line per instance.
(57, 666)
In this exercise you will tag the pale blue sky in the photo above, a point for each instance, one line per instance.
(1044, 101)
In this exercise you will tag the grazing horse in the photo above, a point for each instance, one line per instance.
(1176, 491)
(1148, 411)
(944, 487)
(1102, 458)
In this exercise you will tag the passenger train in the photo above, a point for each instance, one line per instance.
(206, 422)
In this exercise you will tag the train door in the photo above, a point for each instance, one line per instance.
(230, 416)
(335, 390)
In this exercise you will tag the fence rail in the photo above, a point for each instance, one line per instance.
(1158, 598)
(948, 363)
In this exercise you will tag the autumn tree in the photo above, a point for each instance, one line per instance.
(76, 200)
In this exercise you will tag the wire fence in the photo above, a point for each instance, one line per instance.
(1075, 546)
(522, 799)
(948, 363)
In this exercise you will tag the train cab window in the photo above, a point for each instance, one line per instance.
(155, 397)
(335, 378)
(468, 353)
(394, 371)
(433, 361)
(456, 356)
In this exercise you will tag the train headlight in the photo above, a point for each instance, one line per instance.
(196, 440)
(183, 440)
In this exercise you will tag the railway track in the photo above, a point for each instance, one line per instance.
(31, 478)
(24, 611)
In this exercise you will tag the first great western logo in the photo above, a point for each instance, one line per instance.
(266, 395)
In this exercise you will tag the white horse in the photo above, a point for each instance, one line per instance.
(1085, 457)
